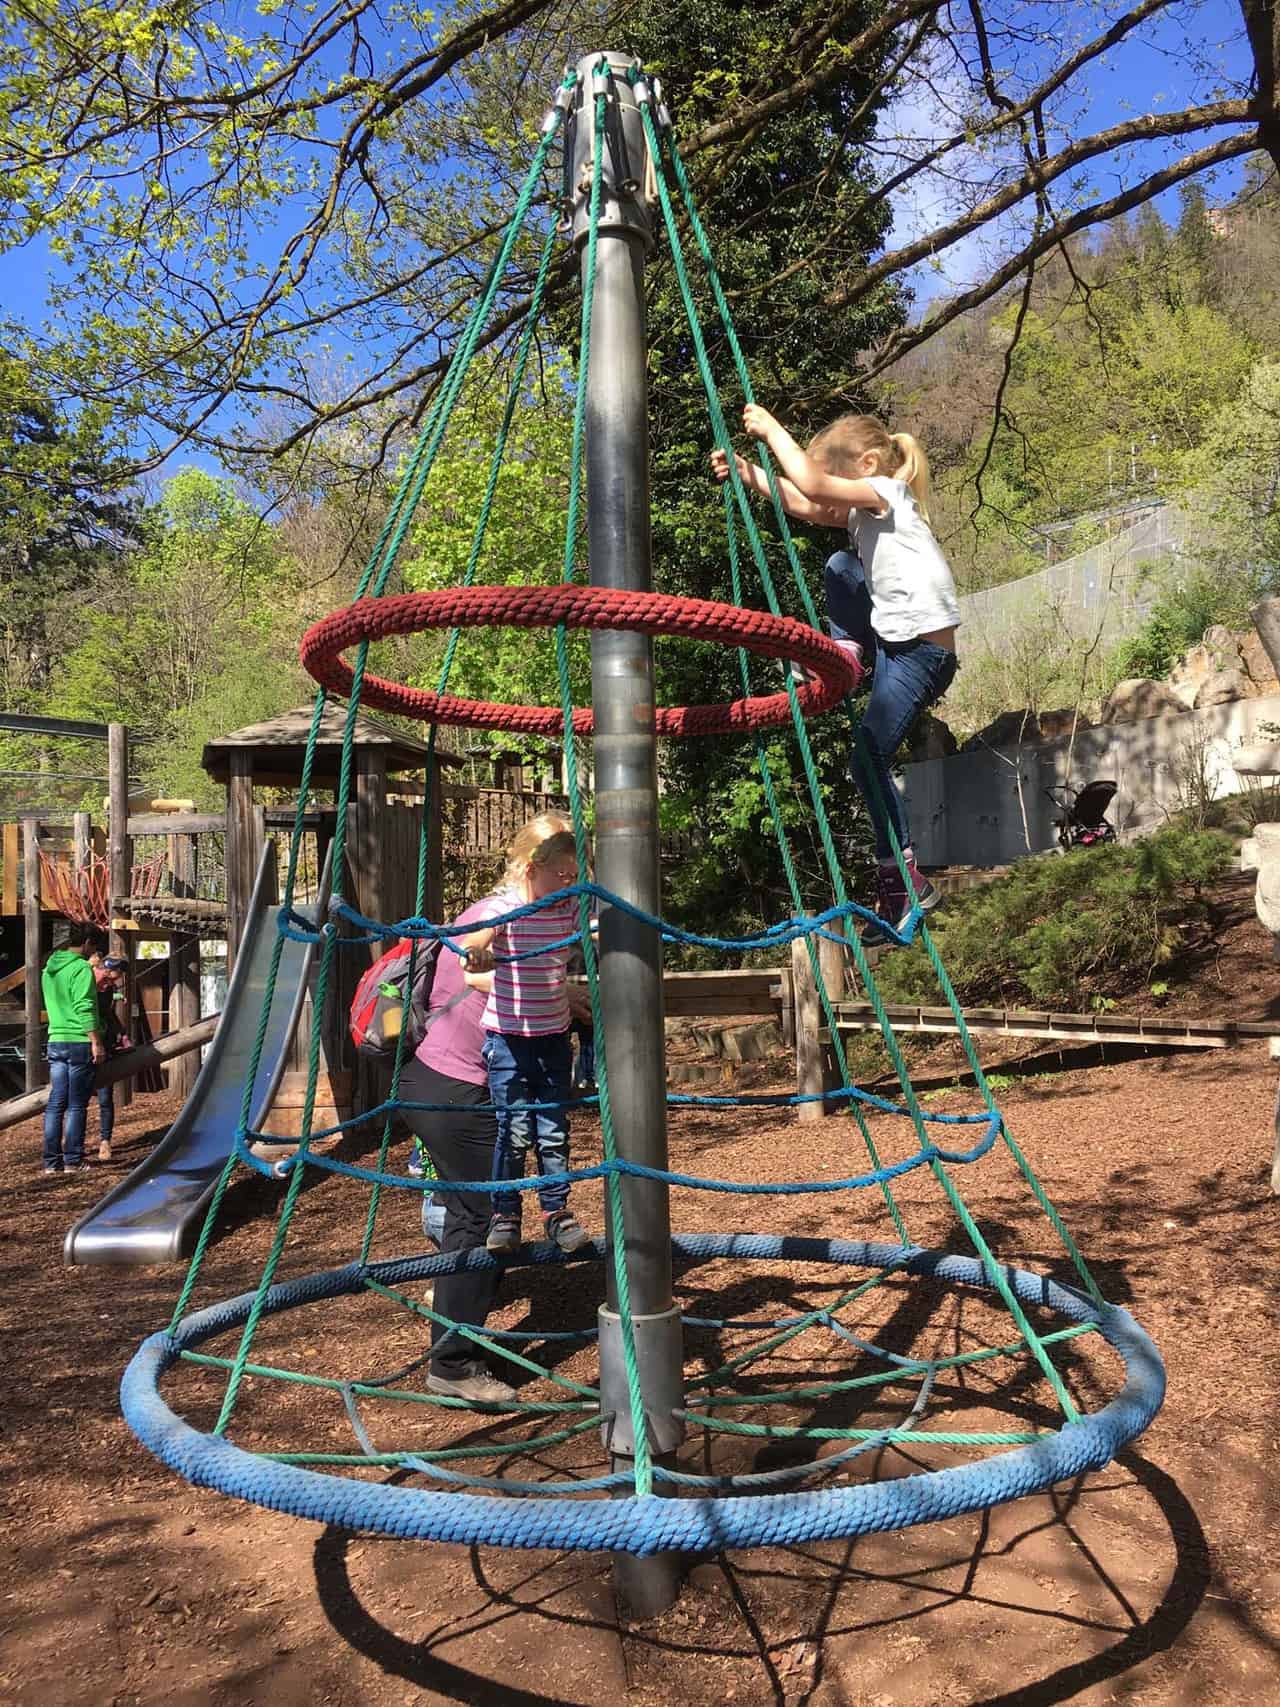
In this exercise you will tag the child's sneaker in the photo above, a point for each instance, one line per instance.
(564, 1229)
(894, 902)
(891, 904)
(504, 1234)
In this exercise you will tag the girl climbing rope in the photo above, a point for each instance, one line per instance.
(891, 604)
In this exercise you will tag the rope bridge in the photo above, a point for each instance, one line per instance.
(468, 1487)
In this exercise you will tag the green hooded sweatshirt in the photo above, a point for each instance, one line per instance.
(70, 996)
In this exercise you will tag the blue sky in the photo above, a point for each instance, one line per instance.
(1161, 72)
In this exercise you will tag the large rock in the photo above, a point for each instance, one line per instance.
(1266, 896)
(1192, 670)
(1138, 697)
(1008, 730)
(932, 739)
(1056, 725)
(1221, 688)
(1222, 643)
(1258, 666)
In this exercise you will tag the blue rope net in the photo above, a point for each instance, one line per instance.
(891, 1356)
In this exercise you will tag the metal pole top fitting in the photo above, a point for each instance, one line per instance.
(625, 166)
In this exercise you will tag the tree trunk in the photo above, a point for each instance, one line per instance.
(1262, 25)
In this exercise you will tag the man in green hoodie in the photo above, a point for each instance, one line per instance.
(75, 1045)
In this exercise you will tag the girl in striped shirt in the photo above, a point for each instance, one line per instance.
(527, 1051)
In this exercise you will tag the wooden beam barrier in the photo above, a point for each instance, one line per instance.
(120, 1067)
(1158, 1030)
(179, 823)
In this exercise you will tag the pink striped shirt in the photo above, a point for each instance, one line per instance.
(529, 998)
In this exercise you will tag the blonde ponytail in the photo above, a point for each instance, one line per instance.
(837, 448)
(913, 468)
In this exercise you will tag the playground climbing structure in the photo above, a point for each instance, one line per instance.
(684, 1399)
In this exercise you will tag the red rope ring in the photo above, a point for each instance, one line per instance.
(577, 607)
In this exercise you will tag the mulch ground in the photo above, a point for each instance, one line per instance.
(1155, 1582)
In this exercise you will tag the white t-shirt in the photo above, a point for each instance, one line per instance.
(911, 588)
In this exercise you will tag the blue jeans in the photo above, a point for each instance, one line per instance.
(910, 675)
(71, 1072)
(584, 1071)
(524, 1070)
(106, 1112)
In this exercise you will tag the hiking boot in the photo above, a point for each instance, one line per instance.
(504, 1234)
(104, 1151)
(480, 1388)
(564, 1229)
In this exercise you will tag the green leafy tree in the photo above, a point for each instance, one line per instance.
(808, 170)
(66, 516)
(196, 633)
(524, 541)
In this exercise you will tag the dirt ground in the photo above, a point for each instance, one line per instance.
(1156, 1582)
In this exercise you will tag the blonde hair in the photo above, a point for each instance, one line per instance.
(837, 449)
(545, 837)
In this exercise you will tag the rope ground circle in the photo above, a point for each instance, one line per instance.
(576, 607)
(646, 1526)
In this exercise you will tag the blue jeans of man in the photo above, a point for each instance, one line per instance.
(525, 1070)
(71, 1074)
(909, 676)
(584, 1068)
(106, 1112)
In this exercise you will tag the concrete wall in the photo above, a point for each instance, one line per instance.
(966, 810)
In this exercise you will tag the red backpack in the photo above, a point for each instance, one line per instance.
(383, 1004)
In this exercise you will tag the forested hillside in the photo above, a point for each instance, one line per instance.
(1135, 358)
(1141, 362)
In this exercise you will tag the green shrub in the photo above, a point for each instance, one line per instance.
(1063, 929)
(1179, 619)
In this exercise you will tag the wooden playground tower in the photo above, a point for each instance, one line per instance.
(179, 876)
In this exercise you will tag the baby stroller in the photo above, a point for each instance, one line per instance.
(1083, 823)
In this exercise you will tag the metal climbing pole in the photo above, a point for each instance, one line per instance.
(626, 780)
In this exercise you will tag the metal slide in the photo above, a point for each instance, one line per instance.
(146, 1218)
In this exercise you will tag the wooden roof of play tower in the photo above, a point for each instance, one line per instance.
(276, 748)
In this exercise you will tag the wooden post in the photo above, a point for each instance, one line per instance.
(834, 961)
(245, 833)
(815, 1061)
(12, 860)
(120, 864)
(184, 968)
(434, 899)
(81, 839)
(368, 842)
(34, 1058)
(787, 1007)
(808, 1021)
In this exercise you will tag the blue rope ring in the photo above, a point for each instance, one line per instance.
(653, 1525)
